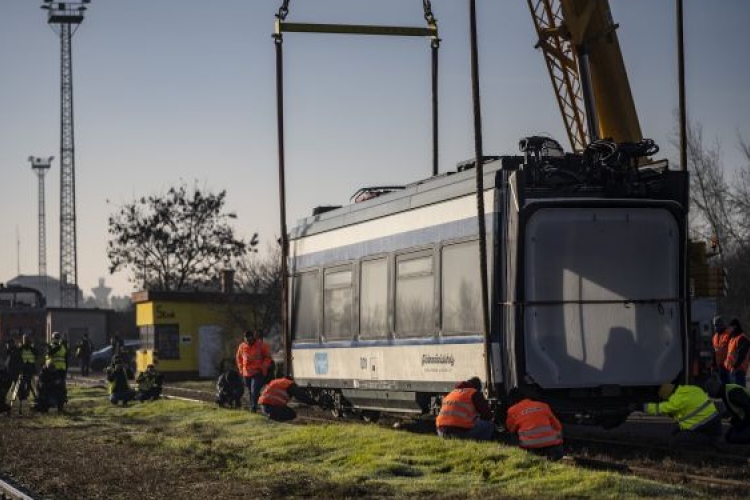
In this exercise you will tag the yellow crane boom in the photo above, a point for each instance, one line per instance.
(579, 41)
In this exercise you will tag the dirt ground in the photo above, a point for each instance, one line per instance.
(95, 461)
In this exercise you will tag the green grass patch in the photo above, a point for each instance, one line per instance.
(340, 460)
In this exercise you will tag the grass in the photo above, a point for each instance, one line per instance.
(335, 461)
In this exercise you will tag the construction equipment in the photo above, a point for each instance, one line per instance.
(579, 41)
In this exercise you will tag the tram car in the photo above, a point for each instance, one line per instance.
(587, 285)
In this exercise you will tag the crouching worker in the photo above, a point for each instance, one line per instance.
(275, 398)
(229, 389)
(737, 402)
(537, 428)
(50, 388)
(699, 423)
(117, 376)
(149, 384)
(465, 414)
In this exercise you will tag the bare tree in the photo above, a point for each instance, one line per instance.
(721, 210)
(173, 241)
(261, 275)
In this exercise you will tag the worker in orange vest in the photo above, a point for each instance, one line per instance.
(720, 343)
(275, 398)
(537, 428)
(253, 362)
(465, 414)
(737, 358)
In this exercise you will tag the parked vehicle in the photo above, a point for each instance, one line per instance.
(103, 357)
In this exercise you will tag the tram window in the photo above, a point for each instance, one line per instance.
(373, 299)
(415, 288)
(306, 302)
(461, 295)
(337, 312)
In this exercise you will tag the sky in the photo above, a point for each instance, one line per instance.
(173, 91)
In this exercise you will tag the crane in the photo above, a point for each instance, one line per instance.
(579, 41)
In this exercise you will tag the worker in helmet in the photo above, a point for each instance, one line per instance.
(275, 398)
(532, 421)
(736, 400)
(253, 362)
(465, 414)
(50, 388)
(118, 374)
(57, 352)
(720, 342)
(149, 384)
(738, 354)
(229, 389)
(699, 423)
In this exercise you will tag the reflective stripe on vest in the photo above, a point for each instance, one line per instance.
(458, 409)
(534, 423)
(720, 342)
(27, 355)
(59, 357)
(736, 409)
(276, 393)
(695, 413)
(539, 437)
(733, 352)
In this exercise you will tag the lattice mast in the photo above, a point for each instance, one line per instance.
(41, 166)
(64, 19)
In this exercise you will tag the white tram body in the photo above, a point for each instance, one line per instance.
(587, 291)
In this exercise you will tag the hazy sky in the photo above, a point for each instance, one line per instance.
(171, 90)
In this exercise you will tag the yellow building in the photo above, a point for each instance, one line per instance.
(188, 334)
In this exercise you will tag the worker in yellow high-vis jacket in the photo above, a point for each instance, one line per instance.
(698, 421)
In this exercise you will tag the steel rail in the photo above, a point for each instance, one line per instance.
(10, 492)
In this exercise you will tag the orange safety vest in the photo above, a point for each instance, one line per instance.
(458, 410)
(276, 392)
(721, 346)
(536, 425)
(251, 359)
(732, 353)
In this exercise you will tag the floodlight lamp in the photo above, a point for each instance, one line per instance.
(85, 1)
(45, 7)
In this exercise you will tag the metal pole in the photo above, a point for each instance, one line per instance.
(681, 73)
(278, 40)
(478, 153)
(435, 45)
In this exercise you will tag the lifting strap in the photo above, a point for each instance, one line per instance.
(430, 31)
(282, 26)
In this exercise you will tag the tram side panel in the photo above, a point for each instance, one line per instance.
(425, 333)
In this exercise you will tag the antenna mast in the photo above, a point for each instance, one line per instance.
(41, 166)
(64, 19)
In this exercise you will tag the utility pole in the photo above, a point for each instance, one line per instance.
(41, 166)
(64, 19)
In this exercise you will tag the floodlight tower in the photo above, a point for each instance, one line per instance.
(64, 18)
(41, 166)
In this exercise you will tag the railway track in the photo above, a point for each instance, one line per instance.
(580, 456)
(9, 491)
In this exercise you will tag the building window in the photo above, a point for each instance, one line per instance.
(167, 341)
(337, 314)
(415, 295)
(146, 335)
(461, 297)
(306, 306)
(373, 299)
